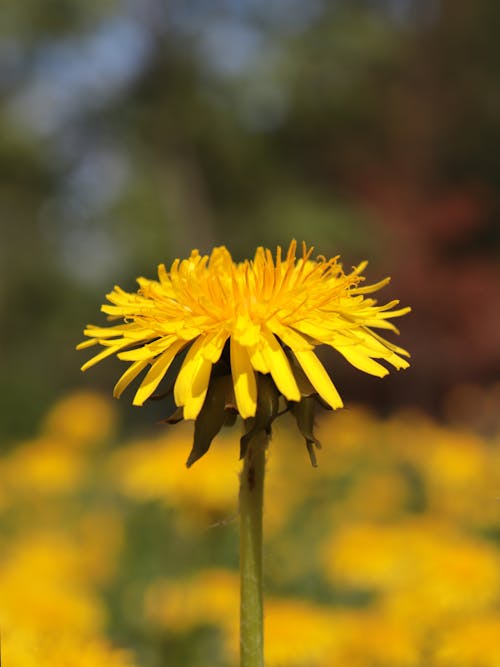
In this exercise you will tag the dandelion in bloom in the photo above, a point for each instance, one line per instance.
(246, 334)
(249, 332)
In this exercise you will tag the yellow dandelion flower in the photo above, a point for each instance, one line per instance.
(249, 331)
(298, 632)
(81, 419)
(182, 604)
(424, 569)
(472, 642)
(152, 469)
(43, 584)
(42, 466)
(460, 478)
(28, 647)
(100, 536)
(370, 637)
(377, 494)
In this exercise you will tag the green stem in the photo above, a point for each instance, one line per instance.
(251, 605)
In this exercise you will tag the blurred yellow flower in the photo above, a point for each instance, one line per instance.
(426, 569)
(375, 494)
(23, 647)
(460, 476)
(435, 583)
(368, 555)
(288, 483)
(57, 462)
(82, 418)
(42, 465)
(371, 638)
(298, 632)
(100, 536)
(44, 586)
(408, 436)
(351, 432)
(210, 596)
(471, 643)
(153, 469)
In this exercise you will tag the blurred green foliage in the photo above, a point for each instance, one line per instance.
(130, 133)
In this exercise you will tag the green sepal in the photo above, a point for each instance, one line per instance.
(304, 416)
(211, 419)
(176, 417)
(231, 416)
(267, 410)
(303, 382)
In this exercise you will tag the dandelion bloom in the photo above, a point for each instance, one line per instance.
(250, 330)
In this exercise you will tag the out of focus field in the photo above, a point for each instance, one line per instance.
(386, 555)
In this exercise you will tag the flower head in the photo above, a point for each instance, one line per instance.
(250, 330)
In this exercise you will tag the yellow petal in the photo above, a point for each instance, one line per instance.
(214, 345)
(245, 386)
(86, 343)
(105, 353)
(279, 366)
(130, 374)
(246, 332)
(131, 330)
(362, 361)
(163, 275)
(289, 336)
(198, 389)
(381, 324)
(379, 346)
(149, 351)
(187, 371)
(318, 377)
(318, 331)
(396, 313)
(120, 311)
(367, 289)
(157, 372)
(397, 362)
(257, 359)
(192, 381)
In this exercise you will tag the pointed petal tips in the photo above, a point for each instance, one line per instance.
(319, 378)
(156, 373)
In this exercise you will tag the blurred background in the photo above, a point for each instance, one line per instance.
(131, 132)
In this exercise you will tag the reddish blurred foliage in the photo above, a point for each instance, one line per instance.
(443, 255)
(474, 407)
